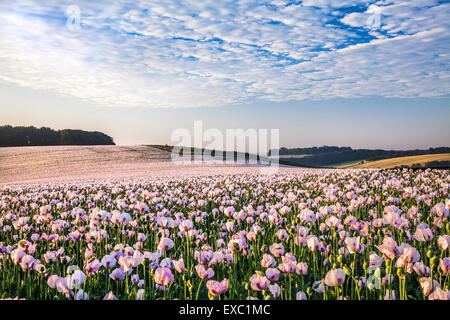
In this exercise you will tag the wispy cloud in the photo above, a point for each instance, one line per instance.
(215, 53)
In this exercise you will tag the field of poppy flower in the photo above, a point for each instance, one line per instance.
(305, 235)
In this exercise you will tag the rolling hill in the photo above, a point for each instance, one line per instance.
(410, 161)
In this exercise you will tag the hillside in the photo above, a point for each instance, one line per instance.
(238, 157)
(67, 162)
(32, 136)
(77, 163)
(335, 156)
(411, 161)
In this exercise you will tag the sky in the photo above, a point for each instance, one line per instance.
(365, 74)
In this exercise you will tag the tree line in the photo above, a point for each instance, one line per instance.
(328, 156)
(32, 136)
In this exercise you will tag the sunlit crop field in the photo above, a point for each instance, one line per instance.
(305, 235)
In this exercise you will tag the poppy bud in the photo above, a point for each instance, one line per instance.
(429, 254)
(341, 259)
(347, 271)
(447, 227)
(331, 259)
(247, 287)
(400, 272)
(309, 291)
(365, 266)
(363, 240)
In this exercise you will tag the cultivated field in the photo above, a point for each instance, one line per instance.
(68, 163)
(136, 226)
(400, 161)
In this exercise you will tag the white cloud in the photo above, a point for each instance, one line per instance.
(208, 53)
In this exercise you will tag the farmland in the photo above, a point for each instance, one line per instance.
(401, 161)
(68, 163)
(126, 223)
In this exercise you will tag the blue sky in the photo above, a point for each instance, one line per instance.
(372, 74)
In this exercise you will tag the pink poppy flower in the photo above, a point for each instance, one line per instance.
(423, 233)
(163, 276)
(300, 296)
(275, 290)
(391, 297)
(17, 255)
(165, 244)
(425, 283)
(179, 265)
(217, 258)
(410, 255)
(27, 262)
(287, 267)
(140, 294)
(117, 274)
(277, 249)
(335, 277)
(51, 281)
(354, 245)
(110, 296)
(93, 266)
(302, 268)
(81, 295)
(439, 294)
(313, 243)
(259, 282)
(389, 248)
(76, 279)
(444, 242)
(375, 260)
(421, 269)
(186, 225)
(268, 261)
(217, 288)
(204, 273)
(62, 285)
(109, 261)
(273, 274)
(444, 264)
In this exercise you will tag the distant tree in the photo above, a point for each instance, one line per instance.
(31, 136)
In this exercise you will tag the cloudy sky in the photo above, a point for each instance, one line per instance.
(337, 72)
